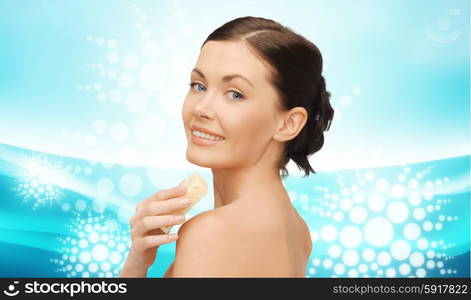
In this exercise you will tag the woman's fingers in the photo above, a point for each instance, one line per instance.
(163, 195)
(153, 222)
(157, 211)
(143, 243)
(160, 208)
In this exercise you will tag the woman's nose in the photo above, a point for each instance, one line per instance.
(205, 107)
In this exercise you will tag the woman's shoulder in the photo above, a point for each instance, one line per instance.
(221, 223)
(210, 245)
(201, 225)
(231, 226)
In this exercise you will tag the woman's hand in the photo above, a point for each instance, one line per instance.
(152, 214)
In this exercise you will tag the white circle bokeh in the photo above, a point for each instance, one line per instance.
(350, 257)
(351, 236)
(397, 212)
(328, 233)
(404, 269)
(383, 258)
(416, 259)
(400, 250)
(358, 215)
(378, 232)
(368, 255)
(411, 231)
(334, 251)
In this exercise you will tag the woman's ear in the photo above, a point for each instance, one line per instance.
(290, 124)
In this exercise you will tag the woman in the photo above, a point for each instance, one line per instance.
(256, 100)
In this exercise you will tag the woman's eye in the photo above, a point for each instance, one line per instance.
(192, 84)
(238, 96)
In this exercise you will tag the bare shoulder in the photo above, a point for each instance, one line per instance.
(192, 236)
(201, 247)
(203, 230)
(209, 245)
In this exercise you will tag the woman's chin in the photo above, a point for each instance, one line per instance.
(199, 160)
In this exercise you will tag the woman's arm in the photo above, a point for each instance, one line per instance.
(132, 268)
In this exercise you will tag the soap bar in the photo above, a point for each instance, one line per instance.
(196, 189)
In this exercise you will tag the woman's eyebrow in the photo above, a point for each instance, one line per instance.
(225, 78)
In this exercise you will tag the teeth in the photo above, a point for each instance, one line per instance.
(206, 136)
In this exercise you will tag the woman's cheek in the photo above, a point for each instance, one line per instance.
(186, 112)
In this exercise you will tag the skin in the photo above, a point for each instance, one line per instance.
(253, 230)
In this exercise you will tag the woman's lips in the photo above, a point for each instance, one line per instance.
(204, 130)
(203, 142)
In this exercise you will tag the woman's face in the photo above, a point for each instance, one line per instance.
(241, 111)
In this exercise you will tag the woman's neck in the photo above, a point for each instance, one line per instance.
(232, 185)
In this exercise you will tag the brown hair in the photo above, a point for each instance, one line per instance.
(296, 73)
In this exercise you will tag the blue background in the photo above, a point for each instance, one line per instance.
(90, 101)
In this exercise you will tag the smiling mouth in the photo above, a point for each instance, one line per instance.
(206, 136)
